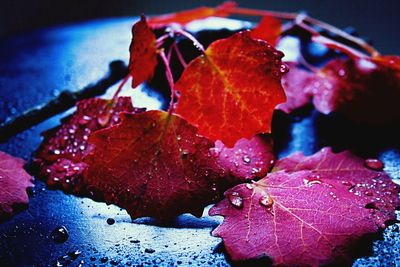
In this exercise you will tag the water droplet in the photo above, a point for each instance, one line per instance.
(368, 193)
(236, 200)
(266, 201)
(149, 250)
(110, 221)
(56, 152)
(59, 234)
(283, 68)
(346, 183)
(185, 152)
(341, 73)
(103, 259)
(246, 159)
(214, 152)
(179, 138)
(313, 179)
(374, 164)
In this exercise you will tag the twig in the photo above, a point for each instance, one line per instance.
(170, 80)
(65, 100)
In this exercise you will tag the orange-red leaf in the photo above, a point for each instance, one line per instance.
(268, 29)
(143, 53)
(186, 16)
(14, 181)
(231, 91)
(152, 164)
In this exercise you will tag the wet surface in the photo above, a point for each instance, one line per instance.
(37, 66)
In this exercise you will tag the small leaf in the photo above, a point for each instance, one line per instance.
(153, 164)
(311, 211)
(143, 53)
(14, 181)
(231, 91)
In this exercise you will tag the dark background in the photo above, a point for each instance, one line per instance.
(376, 19)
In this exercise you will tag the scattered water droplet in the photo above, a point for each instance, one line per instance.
(346, 183)
(236, 200)
(374, 164)
(313, 179)
(110, 221)
(246, 159)
(149, 250)
(59, 234)
(368, 193)
(283, 68)
(214, 152)
(266, 201)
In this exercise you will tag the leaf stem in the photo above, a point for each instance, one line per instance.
(294, 16)
(179, 55)
(170, 79)
(121, 85)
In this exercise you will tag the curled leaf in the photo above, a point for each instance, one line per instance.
(143, 53)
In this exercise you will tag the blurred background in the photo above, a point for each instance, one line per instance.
(378, 20)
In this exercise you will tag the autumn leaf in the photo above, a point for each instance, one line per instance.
(143, 53)
(231, 91)
(59, 157)
(14, 181)
(268, 29)
(153, 164)
(311, 211)
(248, 159)
(364, 90)
(298, 86)
(186, 16)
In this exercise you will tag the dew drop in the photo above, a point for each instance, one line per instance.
(236, 200)
(313, 179)
(214, 152)
(110, 221)
(346, 183)
(369, 193)
(59, 234)
(283, 68)
(246, 159)
(266, 201)
(374, 164)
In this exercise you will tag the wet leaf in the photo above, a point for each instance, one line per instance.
(231, 91)
(14, 181)
(310, 212)
(59, 157)
(143, 53)
(248, 159)
(153, 164)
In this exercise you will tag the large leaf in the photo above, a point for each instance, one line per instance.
(231, 91)
(310, 213)
(152, 164)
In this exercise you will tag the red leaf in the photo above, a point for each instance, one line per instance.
(269, 29)
(59, 157)
(248, 159)
(186, 16)
(152, 164)
(13, 184)
(231, 91)
(310, 213)
(297, 84)
(363, 89)
(143, 53)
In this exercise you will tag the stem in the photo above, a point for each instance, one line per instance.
(160, 40)
(121, 85)
(293, 16)
(179, 55)
(196, 43)
(170, 80)
(338, 46)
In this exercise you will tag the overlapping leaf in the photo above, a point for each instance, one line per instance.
(14, 181)
(231, 91)
(143, 53)
(60, 155)
(312, 212)
(248, 159)
(153, 164)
